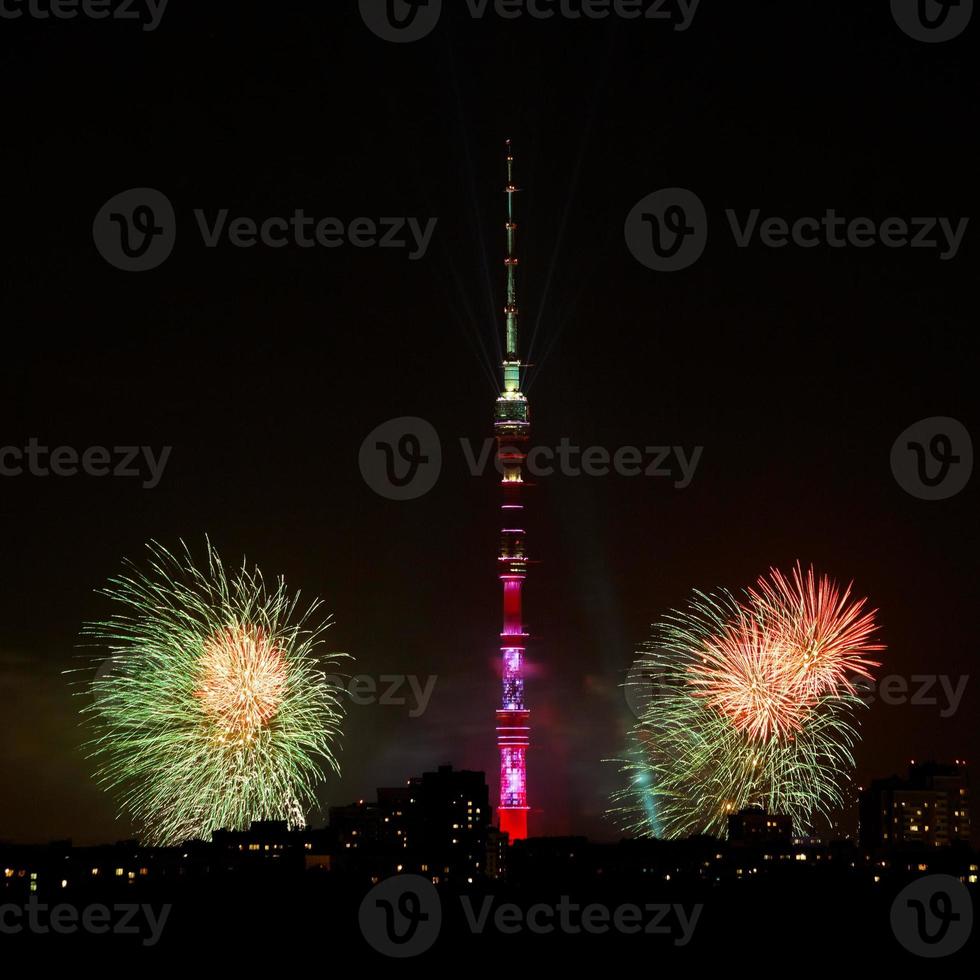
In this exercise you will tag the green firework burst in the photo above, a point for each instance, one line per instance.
(213, 708)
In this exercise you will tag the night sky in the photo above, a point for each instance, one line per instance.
(264, 369)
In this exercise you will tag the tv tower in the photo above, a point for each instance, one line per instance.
(511, 429)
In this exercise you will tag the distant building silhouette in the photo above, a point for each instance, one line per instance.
(437, 825)
(386, 825)
(754, 825)
(270, 845)
(930, 808)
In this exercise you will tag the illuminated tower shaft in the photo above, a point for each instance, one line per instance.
(511, 424)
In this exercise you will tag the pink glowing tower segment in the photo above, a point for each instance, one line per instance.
(511, 425)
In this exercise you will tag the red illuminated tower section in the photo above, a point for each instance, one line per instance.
(511, 424)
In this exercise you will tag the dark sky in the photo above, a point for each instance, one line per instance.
(795, 369)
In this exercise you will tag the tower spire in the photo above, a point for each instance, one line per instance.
(511, 260)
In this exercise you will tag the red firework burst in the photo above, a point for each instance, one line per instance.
(827, 636)
(792, 642)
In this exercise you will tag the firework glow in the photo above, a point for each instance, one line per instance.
(744, 701)
(213, 708)
(243, 679)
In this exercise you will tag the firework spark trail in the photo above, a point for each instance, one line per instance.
(213, 709)
(828, 635)
(746, 702)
